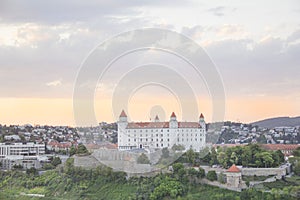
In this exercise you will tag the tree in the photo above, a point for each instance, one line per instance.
(201, 173)
(213, 155)
(190, 154)
(178, 147)
(222, 178)
(297, 168)
(56, 161)
(165, 153)
(167, 188)
(81, 149)
(278, 158)
(266, 158)
(179, 171)
(177, 167)
(143, 159)
(72, 150)
(32, 171)
(234, 158)
(296, 152)
(212, 175)
(246, 156)
(222, 159)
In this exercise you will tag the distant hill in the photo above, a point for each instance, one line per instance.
(278, 121)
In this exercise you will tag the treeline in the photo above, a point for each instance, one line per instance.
(296, 161)
(251, 155)
(71, 182)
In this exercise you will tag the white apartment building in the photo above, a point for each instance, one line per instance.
(154, 135)
(25, 154)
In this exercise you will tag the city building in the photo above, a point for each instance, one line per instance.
(25, 155)
(156, 134)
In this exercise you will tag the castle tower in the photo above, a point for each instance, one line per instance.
(202, 121)
(122, 124)
(173, 121)
(156, 119)
(234, 177)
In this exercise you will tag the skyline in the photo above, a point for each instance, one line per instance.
(254, 45)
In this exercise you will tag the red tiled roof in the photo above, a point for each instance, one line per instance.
(228, 145)
(188, 125)
(123, 114)
(234, 169)
(275, 147)
(148, 125)
(137, 125)
(173, 114)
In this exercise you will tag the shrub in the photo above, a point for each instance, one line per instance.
(212, 175)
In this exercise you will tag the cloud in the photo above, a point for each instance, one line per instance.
(218, 11)
(195, 32)
(231, 30)
(57, 11)
(221, 11)
(54, 83)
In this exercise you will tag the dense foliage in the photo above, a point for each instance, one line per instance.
(143, 159)
(248, 156)
(71, 182)
(80, 149)
(296, 161)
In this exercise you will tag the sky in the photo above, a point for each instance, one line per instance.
(255, 46)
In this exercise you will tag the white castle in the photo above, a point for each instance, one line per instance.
(155, 135)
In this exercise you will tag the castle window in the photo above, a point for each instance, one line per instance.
(146, 130)
(128, 140)
(156, 145)
(161, 130)
(135, 140)
(162, 145)
(168, 140)
(146, 140)
(141, 140)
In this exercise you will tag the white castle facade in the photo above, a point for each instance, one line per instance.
(156, 134)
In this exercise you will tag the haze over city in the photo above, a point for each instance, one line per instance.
(254, 45)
